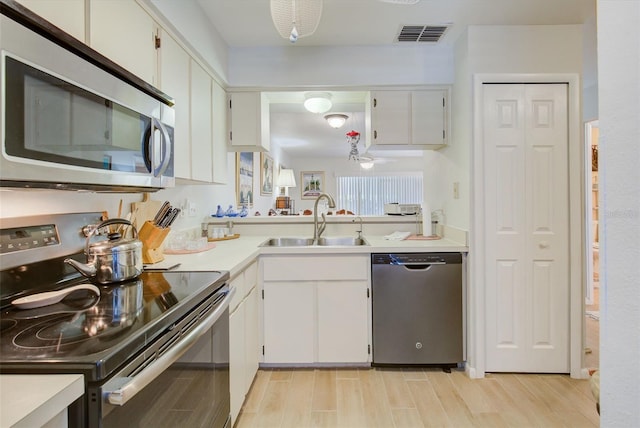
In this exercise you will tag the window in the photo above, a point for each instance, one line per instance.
(366, 195)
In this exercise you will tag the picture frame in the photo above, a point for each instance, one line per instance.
(312, 184)
(244, 179)
(266, 174)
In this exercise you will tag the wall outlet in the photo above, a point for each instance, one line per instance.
(456, 190)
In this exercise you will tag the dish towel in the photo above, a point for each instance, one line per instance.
(398, 236)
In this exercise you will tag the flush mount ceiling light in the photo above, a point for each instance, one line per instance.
(336, 120)
(296, 18)
(366, 162)
(318, 102)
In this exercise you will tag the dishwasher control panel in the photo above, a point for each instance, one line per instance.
(416, 258)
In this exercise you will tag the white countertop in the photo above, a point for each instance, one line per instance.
(235, 254)
(33, 400)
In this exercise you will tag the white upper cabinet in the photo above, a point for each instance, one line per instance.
(219, 123)
(201, 130)
(68, 15)
(123, 32)
(200, 153)
(174, 81)
(248, 122)
(411, 119)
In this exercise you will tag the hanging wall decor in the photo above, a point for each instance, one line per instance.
(312, 184)
(244, 178)
(266, 174)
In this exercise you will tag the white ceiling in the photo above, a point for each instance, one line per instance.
(247, 23)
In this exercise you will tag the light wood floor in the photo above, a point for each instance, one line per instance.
(394, 398)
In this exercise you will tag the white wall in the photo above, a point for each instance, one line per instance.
(352, 66)
(619, 120)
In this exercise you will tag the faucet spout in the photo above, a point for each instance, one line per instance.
(317, 231)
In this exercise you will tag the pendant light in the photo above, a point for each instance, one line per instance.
(296, 18)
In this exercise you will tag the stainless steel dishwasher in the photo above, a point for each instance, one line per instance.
(417, 309)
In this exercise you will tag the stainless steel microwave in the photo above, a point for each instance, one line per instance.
(71, 124)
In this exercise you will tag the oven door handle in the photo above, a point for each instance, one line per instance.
(120, 396)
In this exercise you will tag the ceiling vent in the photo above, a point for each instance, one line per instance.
(421, 33)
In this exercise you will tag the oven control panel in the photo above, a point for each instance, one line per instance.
(26, 238)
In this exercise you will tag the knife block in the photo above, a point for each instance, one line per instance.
(152, 238)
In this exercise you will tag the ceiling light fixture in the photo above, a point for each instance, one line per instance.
(296, 18)
(318, 102)
(336, 120)
(366, 162)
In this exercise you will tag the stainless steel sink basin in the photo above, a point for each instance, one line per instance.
(287, 242)
(308, 242)
(342, 241)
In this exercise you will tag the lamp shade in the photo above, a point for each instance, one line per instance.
(336, 120)
(318, 102)
(286, 178)
(296, 18)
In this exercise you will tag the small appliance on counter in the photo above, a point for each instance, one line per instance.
(131, 337)
(401, 209)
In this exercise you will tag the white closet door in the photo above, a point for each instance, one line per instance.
(527, 226)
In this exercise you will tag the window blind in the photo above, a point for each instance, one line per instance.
(366, 195)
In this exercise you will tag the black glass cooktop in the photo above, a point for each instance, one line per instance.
(85, 329)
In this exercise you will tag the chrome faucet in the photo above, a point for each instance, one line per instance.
(317, 230)
(359, 232)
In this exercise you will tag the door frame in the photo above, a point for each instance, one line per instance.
(476, 363)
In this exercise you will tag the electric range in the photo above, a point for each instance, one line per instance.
(129, 328)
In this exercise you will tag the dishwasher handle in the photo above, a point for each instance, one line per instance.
(417, 264)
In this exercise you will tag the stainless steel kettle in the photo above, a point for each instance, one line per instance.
(114, 260)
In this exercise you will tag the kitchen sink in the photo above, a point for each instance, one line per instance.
(287, 242)
(342, 241)
(308, 242)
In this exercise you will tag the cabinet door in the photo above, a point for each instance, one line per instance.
(248, 122)
(289, 322)
(174, 81)
(237, 361)
(342, 321)
(201, 152)
(219, 125)
(68, 15)
(252, 337)
(122, 31)
(428, 117)
(391, 113)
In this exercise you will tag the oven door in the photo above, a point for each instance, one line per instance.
(188, 386)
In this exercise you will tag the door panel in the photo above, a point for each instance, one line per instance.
(527, 224)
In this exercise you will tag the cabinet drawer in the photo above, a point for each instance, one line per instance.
(311, 268)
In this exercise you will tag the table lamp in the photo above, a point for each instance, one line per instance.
(286, 179)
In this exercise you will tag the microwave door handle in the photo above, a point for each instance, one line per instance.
(160, 167)
(122, 395)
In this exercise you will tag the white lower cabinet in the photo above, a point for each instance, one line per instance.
(244, 346)
(316, 309)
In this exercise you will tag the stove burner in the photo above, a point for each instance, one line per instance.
(7, 324)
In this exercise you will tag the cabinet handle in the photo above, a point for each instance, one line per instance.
(375, 102)
(375, 134)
